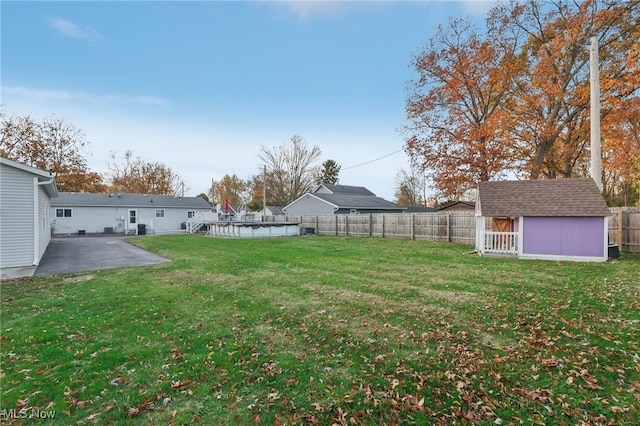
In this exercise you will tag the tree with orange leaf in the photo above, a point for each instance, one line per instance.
(550, 82)
(453, 125)
(621, 155)
(133, 174)
(517, 99)
(53, 145)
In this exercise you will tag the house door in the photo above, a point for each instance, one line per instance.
(133, 221)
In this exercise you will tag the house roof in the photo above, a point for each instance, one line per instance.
(46, 179)
(458, 205)
(355, 201)
(343, 189)
(127, 200)
(419, 209)
(543, 197)
(348, 197)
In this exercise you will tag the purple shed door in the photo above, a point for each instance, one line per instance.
(563, 236)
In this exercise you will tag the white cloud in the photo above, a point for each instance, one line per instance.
(304, 10)
(69, 29)
(477, 7)
(67, 95)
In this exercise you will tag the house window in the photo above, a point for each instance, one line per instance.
(190, 214)
(159, 212)
(63, 212)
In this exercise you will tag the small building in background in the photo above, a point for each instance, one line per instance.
(555, 219)
(273, 211)
(457, 206)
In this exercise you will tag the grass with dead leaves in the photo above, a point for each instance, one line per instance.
(322, 330)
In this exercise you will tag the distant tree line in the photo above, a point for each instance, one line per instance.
(288, 172)
(57, 146)
(60, 148)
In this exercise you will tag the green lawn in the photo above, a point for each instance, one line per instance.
(315, 330)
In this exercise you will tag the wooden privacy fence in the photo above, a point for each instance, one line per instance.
(456, 227)
(624, 228)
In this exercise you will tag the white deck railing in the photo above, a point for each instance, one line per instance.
(199, 219)
(501, 242)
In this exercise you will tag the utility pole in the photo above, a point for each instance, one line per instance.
(264, 191)
(596, 154)
(213, 199)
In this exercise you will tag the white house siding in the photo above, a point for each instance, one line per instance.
(17, 217)
(309, 205)
(94, 219)
(44, 222)
(89, 219)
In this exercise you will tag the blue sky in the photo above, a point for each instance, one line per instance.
(200, 86)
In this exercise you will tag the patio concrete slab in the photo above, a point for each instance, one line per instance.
(79, 254)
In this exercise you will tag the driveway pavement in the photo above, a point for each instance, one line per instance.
(78, 254)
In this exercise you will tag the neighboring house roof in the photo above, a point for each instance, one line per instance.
(127, 200)
(419, 209)
(355, 201)
(348, 197)
(46, 179)
(458, 205)
(343, 189)
(542, 197)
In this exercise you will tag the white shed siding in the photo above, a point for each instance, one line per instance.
(17, 218)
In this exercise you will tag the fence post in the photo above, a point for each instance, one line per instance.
(619, 238)
(383, 216)
(317, 226)
(346, 225)
(413, 220)
(448, 228)
(335, 230)
(370, 224)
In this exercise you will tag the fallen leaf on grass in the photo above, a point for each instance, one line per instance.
(82, 404)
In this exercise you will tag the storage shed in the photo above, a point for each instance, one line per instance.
(555, 219)
(25, 221)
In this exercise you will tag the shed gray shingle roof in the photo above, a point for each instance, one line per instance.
(542, 197)
(127, 200)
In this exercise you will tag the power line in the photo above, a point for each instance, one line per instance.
(371, 161)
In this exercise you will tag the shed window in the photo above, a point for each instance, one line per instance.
(63, 212)
(190, 214)
(159, 212)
